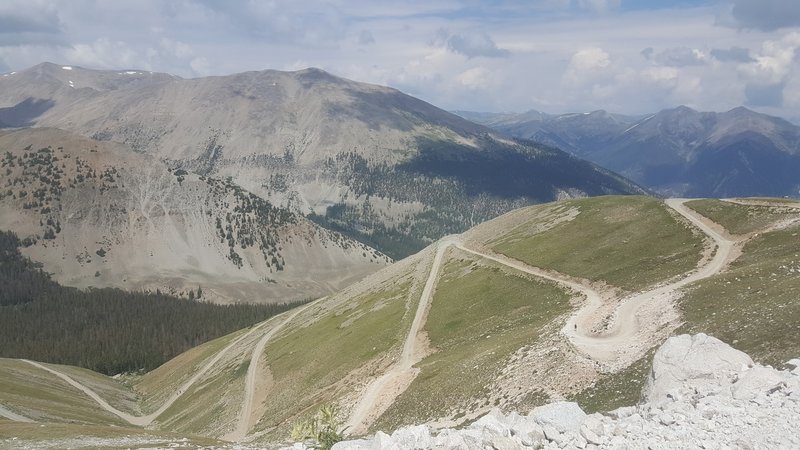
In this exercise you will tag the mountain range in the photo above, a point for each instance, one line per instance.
(676, 152)
(369, 161)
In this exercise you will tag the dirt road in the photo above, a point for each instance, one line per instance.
(380, 394)
(243, 424)
(150, 418)
(11, 415)
(623, 335)
(614, 348)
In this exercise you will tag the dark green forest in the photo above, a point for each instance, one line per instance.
(107, 330)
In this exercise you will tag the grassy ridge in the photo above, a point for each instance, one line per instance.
(310, 363)
(628, 242)
(42, 396)
(754, 305)
(479, 316)
(740, 219)
(158, 385)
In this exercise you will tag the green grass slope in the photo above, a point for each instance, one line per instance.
(333, 348)
(480, 315)
(627, 242)
(743, 219)
(41, 396)
(485, 320)
(755, 305)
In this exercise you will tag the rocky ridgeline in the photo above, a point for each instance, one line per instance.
(701, 393)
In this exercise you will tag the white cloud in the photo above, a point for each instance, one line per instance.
(557, 55)
(590, 58)
(473, 45)
(677, 56)
(474, 78)
(103, 53)
(773, 66)
(200, 66)
(587, 65)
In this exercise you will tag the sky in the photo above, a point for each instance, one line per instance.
(556, 56)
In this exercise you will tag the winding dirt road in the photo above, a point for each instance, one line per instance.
(382, 392)
(605, 348)
(625, 327)
(144, 421)
(243, 424)
(11, 415)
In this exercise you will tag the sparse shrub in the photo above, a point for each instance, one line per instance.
(320, 431)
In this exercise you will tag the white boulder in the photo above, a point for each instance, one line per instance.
(699, 361)
(562, 416)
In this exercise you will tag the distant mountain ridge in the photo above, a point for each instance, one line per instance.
(678, 152)
(381, 166)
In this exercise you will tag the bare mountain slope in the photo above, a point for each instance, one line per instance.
(99, 214)
(390, 169)
(677, 151)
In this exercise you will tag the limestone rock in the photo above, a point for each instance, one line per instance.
(758, 380)
(695, 361)
(563, 416)
(705, 395)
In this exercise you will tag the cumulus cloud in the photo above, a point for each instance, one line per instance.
(471, 45)
(200, 66)
(587, 65)
(557, 55)
(676, 57)
(764, 94)
(774, 61)
(767, 15)
(474, 78)
(772, 67)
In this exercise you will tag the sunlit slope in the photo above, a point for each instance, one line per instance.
(756, 303)
(337, 346)
(629, 243)
(42, 397)
(492, 307)
(481, 315)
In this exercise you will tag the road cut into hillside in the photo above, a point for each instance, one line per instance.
(615, 348)
(148, 419)
(245, 416)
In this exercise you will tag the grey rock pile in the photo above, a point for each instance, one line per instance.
(700, 393)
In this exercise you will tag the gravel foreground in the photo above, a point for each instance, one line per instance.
(701, 393)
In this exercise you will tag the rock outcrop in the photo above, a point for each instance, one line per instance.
(701, 393)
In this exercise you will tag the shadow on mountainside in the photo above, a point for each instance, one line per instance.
(24, 113)
(506, 172)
